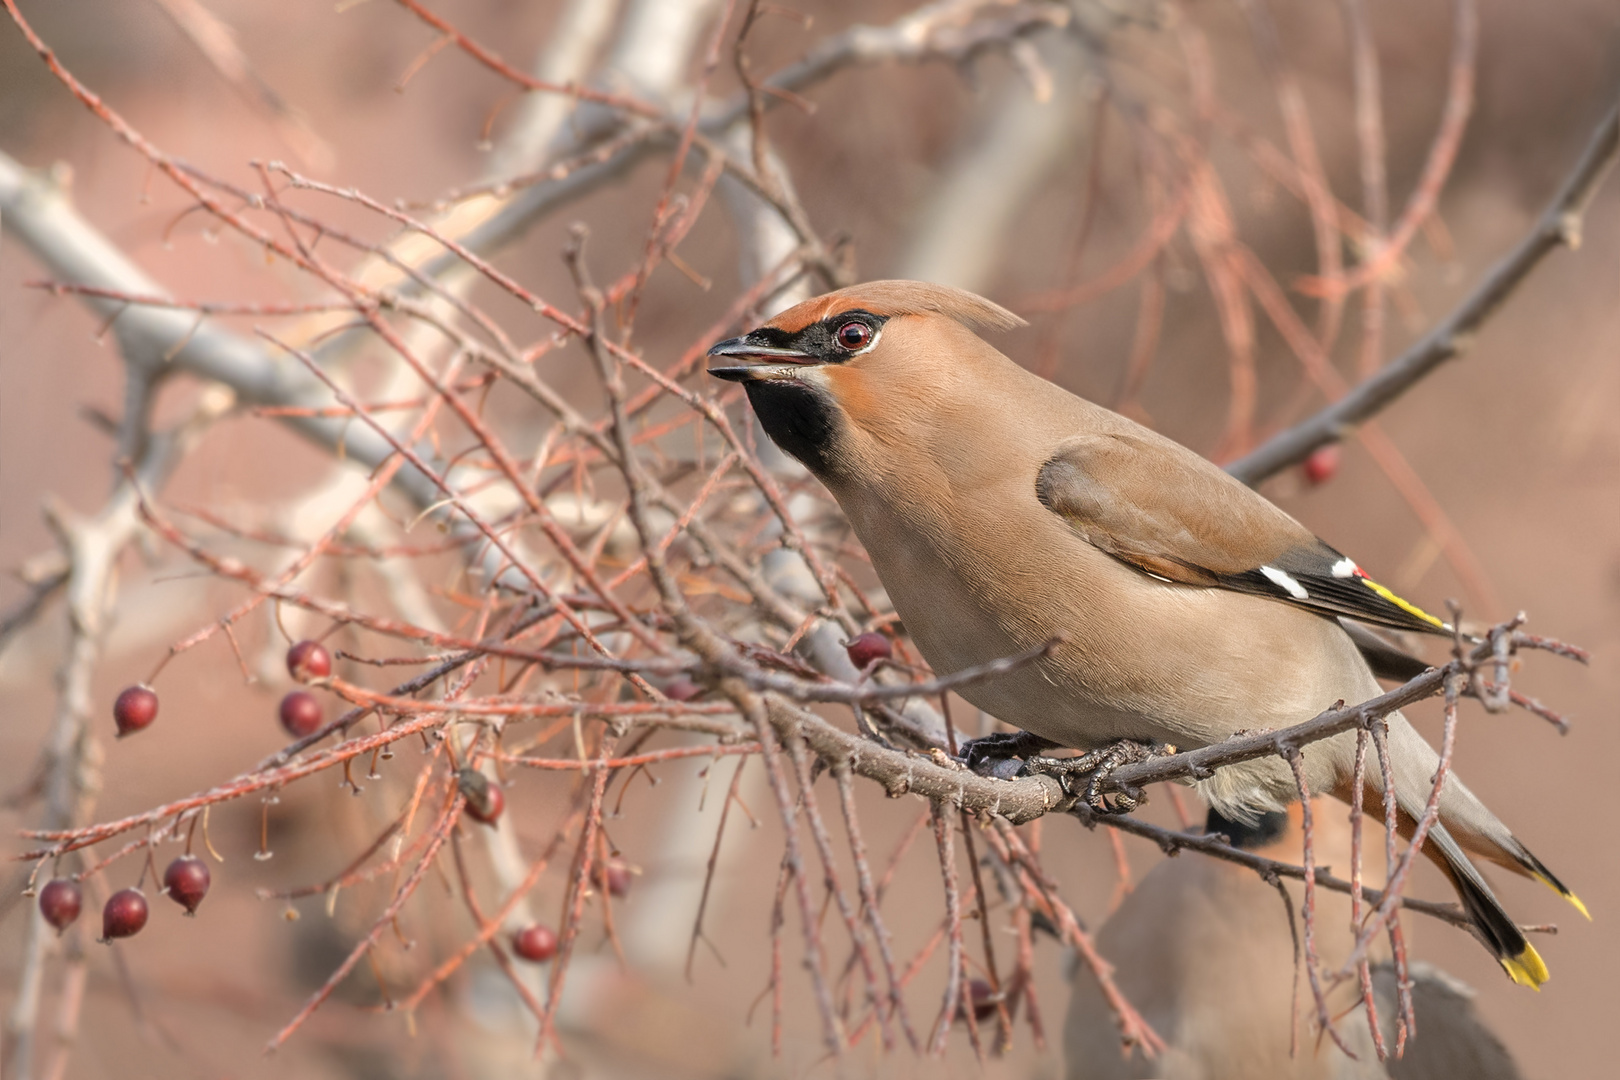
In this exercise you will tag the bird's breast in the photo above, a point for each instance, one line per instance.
(990, 578)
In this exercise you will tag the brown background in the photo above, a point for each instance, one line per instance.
(1519, 442)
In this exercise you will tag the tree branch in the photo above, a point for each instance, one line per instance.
(1217, 845)
(1558, 226)
(938, 776)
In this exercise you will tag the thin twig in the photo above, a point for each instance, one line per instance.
(1558, 226)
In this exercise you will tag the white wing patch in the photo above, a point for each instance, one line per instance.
(1344, 568)
(1287, 583)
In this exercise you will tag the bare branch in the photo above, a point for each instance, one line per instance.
(1216, 845)
(1558, 226)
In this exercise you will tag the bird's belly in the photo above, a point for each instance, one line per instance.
(1068, 711)
(1136, 658)
(958, 623)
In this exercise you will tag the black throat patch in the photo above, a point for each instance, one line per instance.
(800, 420)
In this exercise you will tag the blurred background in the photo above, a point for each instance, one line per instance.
(1029, 173)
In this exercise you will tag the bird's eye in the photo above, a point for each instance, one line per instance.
(854, 335)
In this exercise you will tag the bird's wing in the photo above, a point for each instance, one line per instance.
(1170, 513)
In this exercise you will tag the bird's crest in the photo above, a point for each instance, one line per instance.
(891, 298)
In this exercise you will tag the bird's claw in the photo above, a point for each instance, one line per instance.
(1000, 755)
(1100, 793)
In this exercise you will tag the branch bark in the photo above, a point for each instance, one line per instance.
(1558, 226)
(72, 756)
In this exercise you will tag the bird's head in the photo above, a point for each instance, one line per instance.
(833, 363)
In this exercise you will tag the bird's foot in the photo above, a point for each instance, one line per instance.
(1000, 755)
(1103, 795)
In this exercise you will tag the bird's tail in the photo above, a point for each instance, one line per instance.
(1470, 821)
(1493, 924)
(1533, 866)
(1467, 824)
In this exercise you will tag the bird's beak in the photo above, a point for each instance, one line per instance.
(752, 360)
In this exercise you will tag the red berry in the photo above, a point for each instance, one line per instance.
(135, 708)
(680, 688)
(1323, 463)
(983, 999)
(309, 660)
(614, 876)
(301, 714)
(124, 914)
(537, 943)
(485, 800)
(186, 881)
(60, 901)
(868, 648)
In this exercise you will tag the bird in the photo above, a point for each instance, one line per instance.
(1178, 606)
(1204, 949)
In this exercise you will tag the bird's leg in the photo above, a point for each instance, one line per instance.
(990, 755)
(1096, 765)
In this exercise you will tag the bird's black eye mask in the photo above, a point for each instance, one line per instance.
(833, 340)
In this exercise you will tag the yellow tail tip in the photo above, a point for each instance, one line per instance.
(1526, 969)
(1567, 895)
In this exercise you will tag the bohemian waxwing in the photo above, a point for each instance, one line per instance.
(1003, 513)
